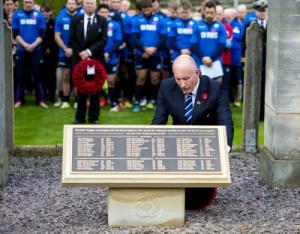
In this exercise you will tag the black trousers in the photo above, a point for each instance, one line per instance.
(93, 111)
(35, 62)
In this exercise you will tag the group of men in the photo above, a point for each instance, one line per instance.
(175, 49)
(137, 49)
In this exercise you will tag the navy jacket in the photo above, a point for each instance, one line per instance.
(210, 107)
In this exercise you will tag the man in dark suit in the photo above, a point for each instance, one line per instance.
(208, 106)
(88, 36)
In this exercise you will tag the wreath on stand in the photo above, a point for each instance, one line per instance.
(91, 86)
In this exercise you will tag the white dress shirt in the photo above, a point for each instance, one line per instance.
(262, 23)
(85, 22)
(194, 92)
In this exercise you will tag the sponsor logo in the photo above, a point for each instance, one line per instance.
(66, 27)
(236, 30)
(28, 21)
(187, 31)
(148, 27)
(211, 35)
(110, 33)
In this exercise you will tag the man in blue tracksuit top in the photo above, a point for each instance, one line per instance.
(181, 31)
(236, 58)
(127, 70)
(29, 28)
(62, 27)
(111, 55)
(148, 35)
(209, 37)
(167, 50)
(79, 9)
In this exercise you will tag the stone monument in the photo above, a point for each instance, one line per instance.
(146, 168)
(280, 161)
(6, 97)
(3, 149)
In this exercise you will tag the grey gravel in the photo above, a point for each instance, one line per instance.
(35, 202)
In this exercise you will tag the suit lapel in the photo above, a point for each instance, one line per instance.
(81, 27)
(178, 98)
(199, 101)
(94, 27)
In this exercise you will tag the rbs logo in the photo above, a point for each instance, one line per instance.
(148, 27)
(211, 35)
(187, 31)
(28, 21)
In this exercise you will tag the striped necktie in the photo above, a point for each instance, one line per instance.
(188, 107)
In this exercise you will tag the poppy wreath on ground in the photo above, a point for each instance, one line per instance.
(93, 85)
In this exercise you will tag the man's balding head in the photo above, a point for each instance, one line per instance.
(89, 6)
(241, 11)
(186, 73)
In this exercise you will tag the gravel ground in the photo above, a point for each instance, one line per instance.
(35, 202)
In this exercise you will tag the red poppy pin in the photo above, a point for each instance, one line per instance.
(204, 96)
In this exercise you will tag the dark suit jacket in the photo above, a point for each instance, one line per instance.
(95, 40)
(214, 110)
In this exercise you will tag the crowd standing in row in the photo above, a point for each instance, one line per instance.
(136, 46)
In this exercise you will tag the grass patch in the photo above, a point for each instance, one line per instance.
(37, 126)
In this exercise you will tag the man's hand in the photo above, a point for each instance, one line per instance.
(185, 51)
(68, 52)
(121, 47)
(150, 50)
(29, 48)
(106, 57)
(207, 61)
(145, 55)
(84, 55)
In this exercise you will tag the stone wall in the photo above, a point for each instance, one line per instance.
(282, 122)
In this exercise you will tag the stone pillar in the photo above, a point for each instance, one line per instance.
(9, 88)
(252, 87)
(280, 161)
(3, 149)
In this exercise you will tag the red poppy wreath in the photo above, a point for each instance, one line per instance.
(93, 85)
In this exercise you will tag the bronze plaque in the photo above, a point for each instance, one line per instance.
(107, 155)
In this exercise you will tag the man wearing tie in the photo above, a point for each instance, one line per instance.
(192, 99)
(88, 36)
(261, 12)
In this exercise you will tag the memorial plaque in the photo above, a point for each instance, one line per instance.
(145, 156)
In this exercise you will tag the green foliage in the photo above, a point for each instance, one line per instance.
(56, 5)
(36, 126)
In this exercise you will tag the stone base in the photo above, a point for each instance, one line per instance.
(3, 167)
(277, 172)
(146, 207)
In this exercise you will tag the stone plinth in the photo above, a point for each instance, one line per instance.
(280, 164)
(146, 207)
(3, 127)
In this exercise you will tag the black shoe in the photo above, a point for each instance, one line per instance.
(78, 122)
(93, 121)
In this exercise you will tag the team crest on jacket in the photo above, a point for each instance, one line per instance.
(34, 15)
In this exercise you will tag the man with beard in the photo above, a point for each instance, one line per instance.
(29, 28)
(209, 38)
